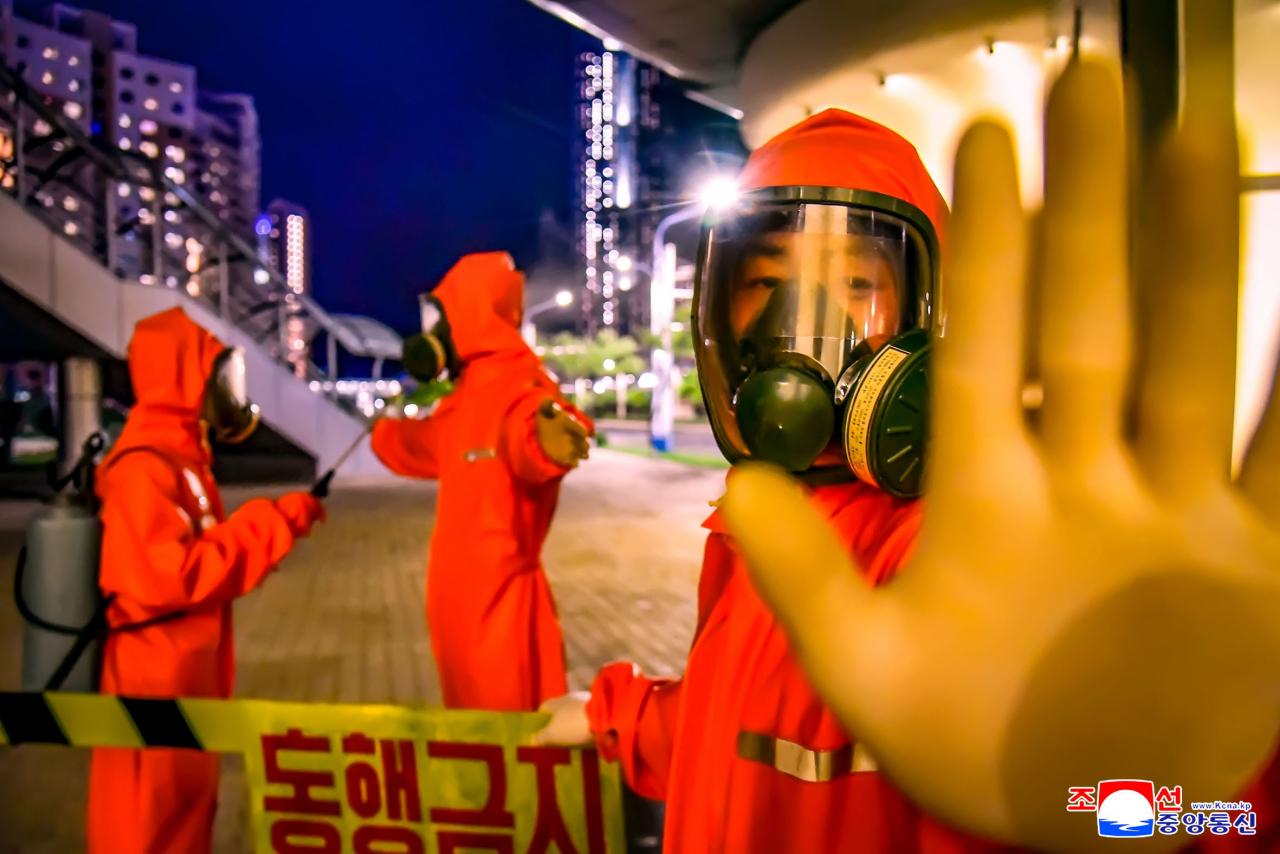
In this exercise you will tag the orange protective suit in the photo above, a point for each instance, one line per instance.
(687, 741)
(166, 547)
(682, 740)
(494, 630)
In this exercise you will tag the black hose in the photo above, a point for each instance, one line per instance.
(94, 629)
(25, 610)
(98, 627)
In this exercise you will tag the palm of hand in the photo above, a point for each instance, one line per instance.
(1093, 598)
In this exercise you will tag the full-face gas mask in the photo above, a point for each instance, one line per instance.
(813, 308)
(231, 416)
(429, 354)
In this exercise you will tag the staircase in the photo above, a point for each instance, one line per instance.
(58, 259)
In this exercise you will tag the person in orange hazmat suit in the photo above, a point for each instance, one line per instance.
(499, 445)
(169, 551)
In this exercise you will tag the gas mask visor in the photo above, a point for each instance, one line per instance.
(231, 416)
(798, 290)
(429, 354)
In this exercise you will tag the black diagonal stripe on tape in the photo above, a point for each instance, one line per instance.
(160, 723)
(28, 718)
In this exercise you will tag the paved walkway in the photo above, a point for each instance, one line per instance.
(342, 620)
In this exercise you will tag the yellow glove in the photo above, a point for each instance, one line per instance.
(568, 725)
(560, 436)
(1092, 600)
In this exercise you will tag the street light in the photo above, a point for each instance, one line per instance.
(717, 193)
(527, 330)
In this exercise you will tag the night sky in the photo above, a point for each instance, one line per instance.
(413, 131)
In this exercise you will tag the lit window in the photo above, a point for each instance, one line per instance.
(174, 240)
(175, 87)
(194, 246)
(72, 110)
(175, 174)
(170, 216)
(147, 279)
(176, 154)
(46, 78)
(261, 276)
(171, 281)
(148, 127)
(150, 149)
(145, 216)
(126, 143)
(71, 228)
(147, 193)
(42, 128)
(171, 199)
(124, 190)
(50, 53)
(73, 61)
(125, 120)
(71, 203)
(74, 85)
(151, 104)
(193, 286)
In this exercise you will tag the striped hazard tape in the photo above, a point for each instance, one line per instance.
(93, 720)
(330, 777)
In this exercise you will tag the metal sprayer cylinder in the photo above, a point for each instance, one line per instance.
(60, 585)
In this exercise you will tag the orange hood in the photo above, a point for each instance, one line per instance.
(836, 148)
(483, 298)
(170, 362)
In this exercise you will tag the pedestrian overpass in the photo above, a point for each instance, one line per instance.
(64, 296)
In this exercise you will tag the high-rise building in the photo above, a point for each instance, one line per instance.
(229, 160)
(606, 182)
(205, 143)
(286, 229)
(645, 146)
(55, 66)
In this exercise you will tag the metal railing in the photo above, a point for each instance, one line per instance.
(121, 208)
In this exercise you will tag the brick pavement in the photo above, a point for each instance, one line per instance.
(343, 618)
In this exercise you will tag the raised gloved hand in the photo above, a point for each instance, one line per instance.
(562, 438)
(301, 511)
(1092, 599)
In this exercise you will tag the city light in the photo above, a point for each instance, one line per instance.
(609, 364)
(261, 276)
(623, 263)
(719, 193)
(564, 298)
(410, 409)
(294, 258)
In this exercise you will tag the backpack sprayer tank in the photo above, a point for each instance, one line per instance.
(61, 585)
(56, 586)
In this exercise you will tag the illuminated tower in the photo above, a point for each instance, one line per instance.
(289, 250)
(607, 182)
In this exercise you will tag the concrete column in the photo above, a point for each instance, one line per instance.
(81, 385)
